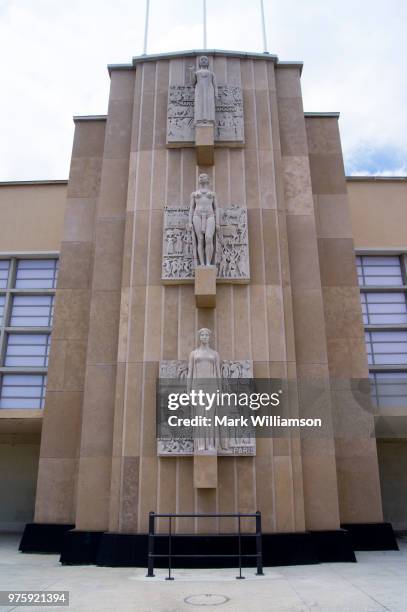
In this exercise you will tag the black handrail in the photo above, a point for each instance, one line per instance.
(238, 515)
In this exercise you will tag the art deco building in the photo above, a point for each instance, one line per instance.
(319, 294)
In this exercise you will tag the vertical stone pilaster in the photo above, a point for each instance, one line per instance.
(311, 360)
(60, 441)
(95, 463)
(356, 458)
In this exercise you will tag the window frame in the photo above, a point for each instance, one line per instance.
(5, 328)
(384, 327)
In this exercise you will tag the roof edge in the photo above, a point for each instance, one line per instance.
(78, 118)
(334, 114)
(38, 182)
(368, 177)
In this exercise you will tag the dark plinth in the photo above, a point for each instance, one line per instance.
(43, 537)
(288, 549)
(371, 536)
(80, 547)
(130, 550)
(333, 546)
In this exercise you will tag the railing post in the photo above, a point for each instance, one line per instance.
(239, 577)
(150, 573)
(259, 549)
(169, 577)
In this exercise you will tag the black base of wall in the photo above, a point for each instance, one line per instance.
(80, 547)
(43, 537)
(371, 536)
(127, 550)
(333, 546)
(130, 550)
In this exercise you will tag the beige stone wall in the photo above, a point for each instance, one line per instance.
(378, 213)
(19, 455)
(31, 216)
(356, 459)
(60, 441)
(115, 320)
(266, 321)
(393, 478)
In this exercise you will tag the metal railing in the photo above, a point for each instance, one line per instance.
(152, 535)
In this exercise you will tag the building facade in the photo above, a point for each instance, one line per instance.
(81, 277)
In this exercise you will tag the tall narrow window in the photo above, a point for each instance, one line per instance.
(27, 288)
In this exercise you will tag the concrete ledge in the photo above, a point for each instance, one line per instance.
(205, 286)
(210, 52)
(204, 144)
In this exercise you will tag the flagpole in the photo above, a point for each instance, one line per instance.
(263, 24)
(204, 24)
(146, 27)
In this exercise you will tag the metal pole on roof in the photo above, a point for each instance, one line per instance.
(263, 25)
(204, 24)
(146, 27)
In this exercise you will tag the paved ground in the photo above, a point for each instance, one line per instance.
(377, 582)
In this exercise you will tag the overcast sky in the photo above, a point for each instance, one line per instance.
(53, 57)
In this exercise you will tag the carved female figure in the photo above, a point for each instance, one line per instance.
(204, 367)
(205, 92)
(203, 220)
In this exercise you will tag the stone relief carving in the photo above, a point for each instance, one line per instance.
(205, 364)
(202, 222)
(205, 92)
(204, 102)
(205, 234)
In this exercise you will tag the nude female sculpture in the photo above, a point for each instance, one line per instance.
(203, 368)
(203, 220)
(205, 92)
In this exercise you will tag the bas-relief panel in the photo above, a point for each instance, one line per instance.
(237, 443)
(231, 245)
(229, 123)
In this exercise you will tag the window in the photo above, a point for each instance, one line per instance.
(383, 296)
(23, 391)
(384, 308)
(386, 347)
(389, 388)
(2, 302)
(4, 269)
(27, 288)
(36, 274)
(379, 271)
(27, 350)
(32, 311)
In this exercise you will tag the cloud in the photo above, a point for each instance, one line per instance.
(55, 56)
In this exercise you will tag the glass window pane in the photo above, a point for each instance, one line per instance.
(386, 348)
(22, 391)
(32, 311)
(4, 270)
(381, 271)
(36, 274)
(2, 302)
(383, 297)
(27, 350)
(380, 319)
(389, 388)
(383, 281)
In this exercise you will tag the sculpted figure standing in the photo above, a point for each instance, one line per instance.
(204, 373)
(203, 220)
(205, 92)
